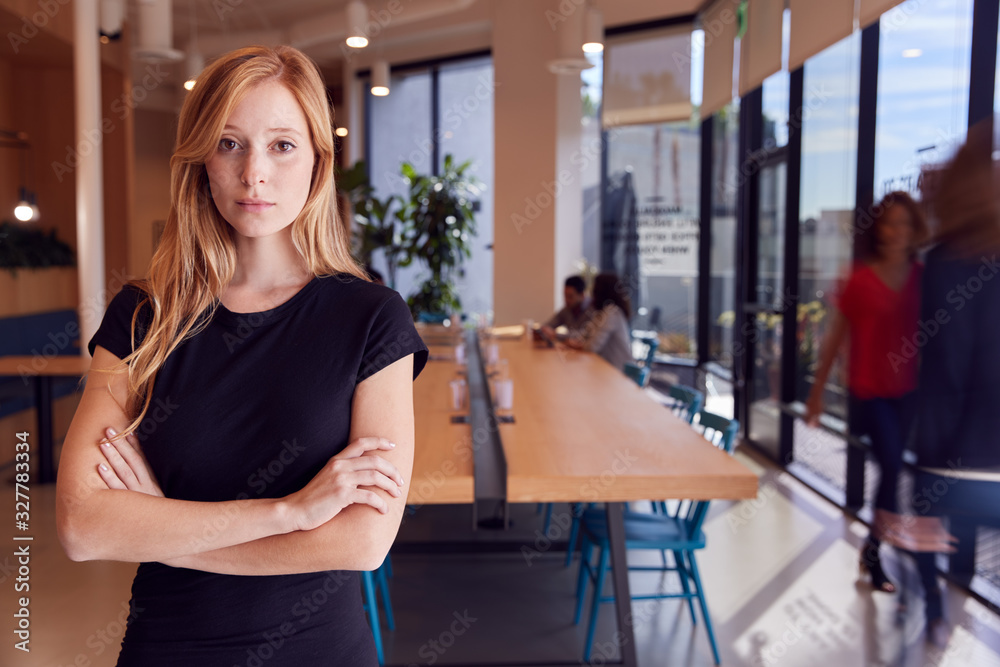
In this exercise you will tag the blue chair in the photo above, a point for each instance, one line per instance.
(638, 374)
(431, 318)
(640, 370)
(680, 534)
(719, 431)
(370, 581)
(687, 402)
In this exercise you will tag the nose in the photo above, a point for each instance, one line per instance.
(254, 169)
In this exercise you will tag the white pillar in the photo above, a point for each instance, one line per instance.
(90, 170)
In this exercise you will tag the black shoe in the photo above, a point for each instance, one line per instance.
(879, 580)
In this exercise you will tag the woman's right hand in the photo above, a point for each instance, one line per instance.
(341, 483)
(814, 408)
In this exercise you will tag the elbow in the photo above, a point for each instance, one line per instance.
(73, 543)
(372, 553)
(74, 535)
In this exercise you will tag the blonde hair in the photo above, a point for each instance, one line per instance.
(196, 256)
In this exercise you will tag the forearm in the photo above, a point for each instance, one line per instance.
(135, 527)
(349, 541)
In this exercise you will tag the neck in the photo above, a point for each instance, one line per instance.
(265, 263)
(895, 257)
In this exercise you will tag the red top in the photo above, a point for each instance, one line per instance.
(885, 339)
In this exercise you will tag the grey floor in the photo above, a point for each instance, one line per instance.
(780, 573)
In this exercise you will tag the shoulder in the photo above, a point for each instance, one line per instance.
(357, 294)
(612, 315)
(130, 298)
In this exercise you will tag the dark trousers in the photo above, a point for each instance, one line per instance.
(936, 495)
(888, 423)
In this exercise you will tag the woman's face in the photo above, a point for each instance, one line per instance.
(262, 166)
(895, 230)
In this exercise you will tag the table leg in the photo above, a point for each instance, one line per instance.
(43, 411)
(625, 637)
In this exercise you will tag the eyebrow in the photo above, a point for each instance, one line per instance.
(275, 130)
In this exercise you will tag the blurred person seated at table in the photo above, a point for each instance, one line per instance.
(607, 331)
(576, 313)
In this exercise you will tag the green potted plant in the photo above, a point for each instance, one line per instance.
(28, 247)
(378, 227)
(440, 211)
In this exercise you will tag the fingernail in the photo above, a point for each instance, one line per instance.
(392, 444)
(399, 480)
(104, 467)
(105, 444)
(112, 431)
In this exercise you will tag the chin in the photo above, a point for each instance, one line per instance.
(256, 228)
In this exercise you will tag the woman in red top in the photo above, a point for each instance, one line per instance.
(877, 313)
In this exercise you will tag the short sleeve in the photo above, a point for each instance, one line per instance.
(391, 337)
(115, 332)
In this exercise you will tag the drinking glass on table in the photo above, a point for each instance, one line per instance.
(457, 393)
(503, 394)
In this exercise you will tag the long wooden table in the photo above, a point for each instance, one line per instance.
(586, 432)
(42, 370)
(582, 432)
(442, 461)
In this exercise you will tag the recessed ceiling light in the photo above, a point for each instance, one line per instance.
(912, 53)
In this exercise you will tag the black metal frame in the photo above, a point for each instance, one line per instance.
(748, 199)
(864, 196)
(686, 19)
(790, 269)
(982, 68)
(705, 240)
(433, 66)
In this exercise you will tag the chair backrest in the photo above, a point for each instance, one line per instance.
(687, 401)
(431, 318)
(652, 344)
(639, 374)
(721, 432)
(718, 430)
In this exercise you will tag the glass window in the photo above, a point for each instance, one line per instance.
(828, 176)
(465, 130)
(923, 89)
(725, 167)
(774, 105)
(650, 216)
(591, 81)
(403, 130)
(651, 226)
(400, 131)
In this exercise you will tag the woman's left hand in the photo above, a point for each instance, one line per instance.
(126, 468)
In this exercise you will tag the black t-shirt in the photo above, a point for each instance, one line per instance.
(253, 407)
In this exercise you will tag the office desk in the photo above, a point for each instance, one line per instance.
(42, 370)
(582, 432)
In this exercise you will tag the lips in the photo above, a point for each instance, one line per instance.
(254, 205)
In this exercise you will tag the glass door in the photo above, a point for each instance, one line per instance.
(764, 310)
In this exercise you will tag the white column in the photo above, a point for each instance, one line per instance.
(90, 170)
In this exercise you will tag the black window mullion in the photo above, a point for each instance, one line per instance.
(705, 241)
(790, 271)
(864, 200)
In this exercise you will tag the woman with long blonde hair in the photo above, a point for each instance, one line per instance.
(246, 432)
